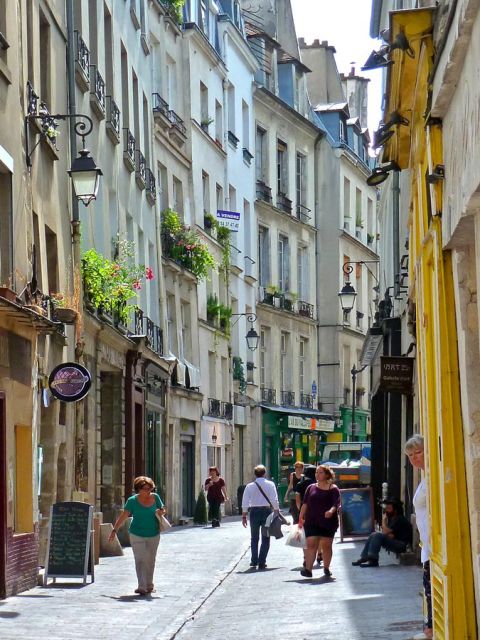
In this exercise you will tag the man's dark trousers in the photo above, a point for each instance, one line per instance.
(258, 516)
(376, 541)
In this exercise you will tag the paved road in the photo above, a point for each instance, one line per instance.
(205, 589)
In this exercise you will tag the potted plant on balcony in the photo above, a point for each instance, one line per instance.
(239, 374)
(213, 308)
(271, 292)
(370, 238)
(205, 122)
(225, 314)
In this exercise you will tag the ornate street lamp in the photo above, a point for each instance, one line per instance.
(252, 336)
(347, 297)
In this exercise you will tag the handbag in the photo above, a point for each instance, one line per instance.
(163, 523)
(274, 521)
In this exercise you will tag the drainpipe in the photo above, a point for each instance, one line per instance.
(316, 173)
(396, 232)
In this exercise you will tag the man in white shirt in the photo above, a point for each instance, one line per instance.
(259, 498)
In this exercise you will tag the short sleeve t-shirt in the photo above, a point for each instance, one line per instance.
(319, 501)
(144, 521)
(401, 529)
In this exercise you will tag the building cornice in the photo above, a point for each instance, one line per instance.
(270, 100)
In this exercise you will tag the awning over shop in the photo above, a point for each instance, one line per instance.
(193, 375)
(371, 344)
(297, 411)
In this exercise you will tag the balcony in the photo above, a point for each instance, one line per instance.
(178, 131)
(247, 156)
(112, 123)
(284, 204)
(82, 64)
(305, 309)
(214, 408)
(286, 303)
(32, 100)
(306, 401)
(264, 192)
(161, 111)
(227, 410)
(269, 395)
(129, 150)
(303, 213)
(150, 186)
(232, 139)
(140, 170)
(143, 326)
(288, 398)
(97, 92)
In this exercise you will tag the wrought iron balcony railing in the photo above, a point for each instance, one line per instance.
(129, 147)
(97, 88)
(247, 156)
(232, 138)
(288, 398)
(264, 192)
(227, 410)
(113, 117)
(177, 122)
(150, 185)
(32, 99)
(284, 203)
(214, 408)
(160, 105)
(140, 169)
(305, 309)
(83, 56)
(269, 395)
(303, 213)
(306, 401)
(143, 326)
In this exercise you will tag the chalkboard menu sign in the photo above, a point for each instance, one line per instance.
(356, 514)
(69, 541)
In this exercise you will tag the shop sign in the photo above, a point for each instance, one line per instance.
(70, 382)
(396, 374)
(325, 425)
(297, 422)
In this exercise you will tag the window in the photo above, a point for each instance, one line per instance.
(125, 92)
(283, 263)
(162, 187)
(172, 336)
(282, 168)
(231, 108)
(93, 31)
(52, 259)
(302, 351)
(263, 356)
(146, 130)
(263, 256)
(108, 38)
(204, 17)
(247, 223)
(219, 196)
(232, 197)
(212, 370)
(6, 226)
(261, 155)
(45, 60)
(301, 183)
(358, 208)
(346, 202)
(370, 228)
(245, 125)
(206, 192)
(3, 33)
(204, 118)
(171, 81)
(136, 115)
(302, 273)
(296, 91)
(177, 195)
(218, 123)
(186, 333)
(283, 361)
(342, 131)
(36, 251)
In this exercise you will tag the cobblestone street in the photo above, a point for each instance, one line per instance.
(206, 589)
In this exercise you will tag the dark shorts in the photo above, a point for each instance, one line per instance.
(315, 531)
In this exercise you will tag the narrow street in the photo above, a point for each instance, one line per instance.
(206, 589)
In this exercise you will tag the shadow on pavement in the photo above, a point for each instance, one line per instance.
(9, 614)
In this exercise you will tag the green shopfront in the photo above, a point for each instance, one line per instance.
(289, 435)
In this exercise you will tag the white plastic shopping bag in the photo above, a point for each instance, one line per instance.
(296, 537)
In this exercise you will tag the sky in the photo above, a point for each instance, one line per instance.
(346, 26)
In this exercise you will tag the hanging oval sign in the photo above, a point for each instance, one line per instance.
(70, 382)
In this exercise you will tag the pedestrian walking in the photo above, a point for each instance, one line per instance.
(414, 448)
(296, 476)
(216, 495)
(309, 472)
(144, 507)
(396, 535)
(319, 517)
(259, 500)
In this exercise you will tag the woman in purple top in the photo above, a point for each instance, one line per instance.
(319, 517)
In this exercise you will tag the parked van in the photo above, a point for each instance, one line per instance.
(351, 461)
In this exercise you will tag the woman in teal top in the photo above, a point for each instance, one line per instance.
(144, 507)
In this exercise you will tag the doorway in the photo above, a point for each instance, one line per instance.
(3, 495)
(188, 476)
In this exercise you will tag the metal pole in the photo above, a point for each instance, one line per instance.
(354, 381)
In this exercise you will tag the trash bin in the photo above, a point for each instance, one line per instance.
(240, 491)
